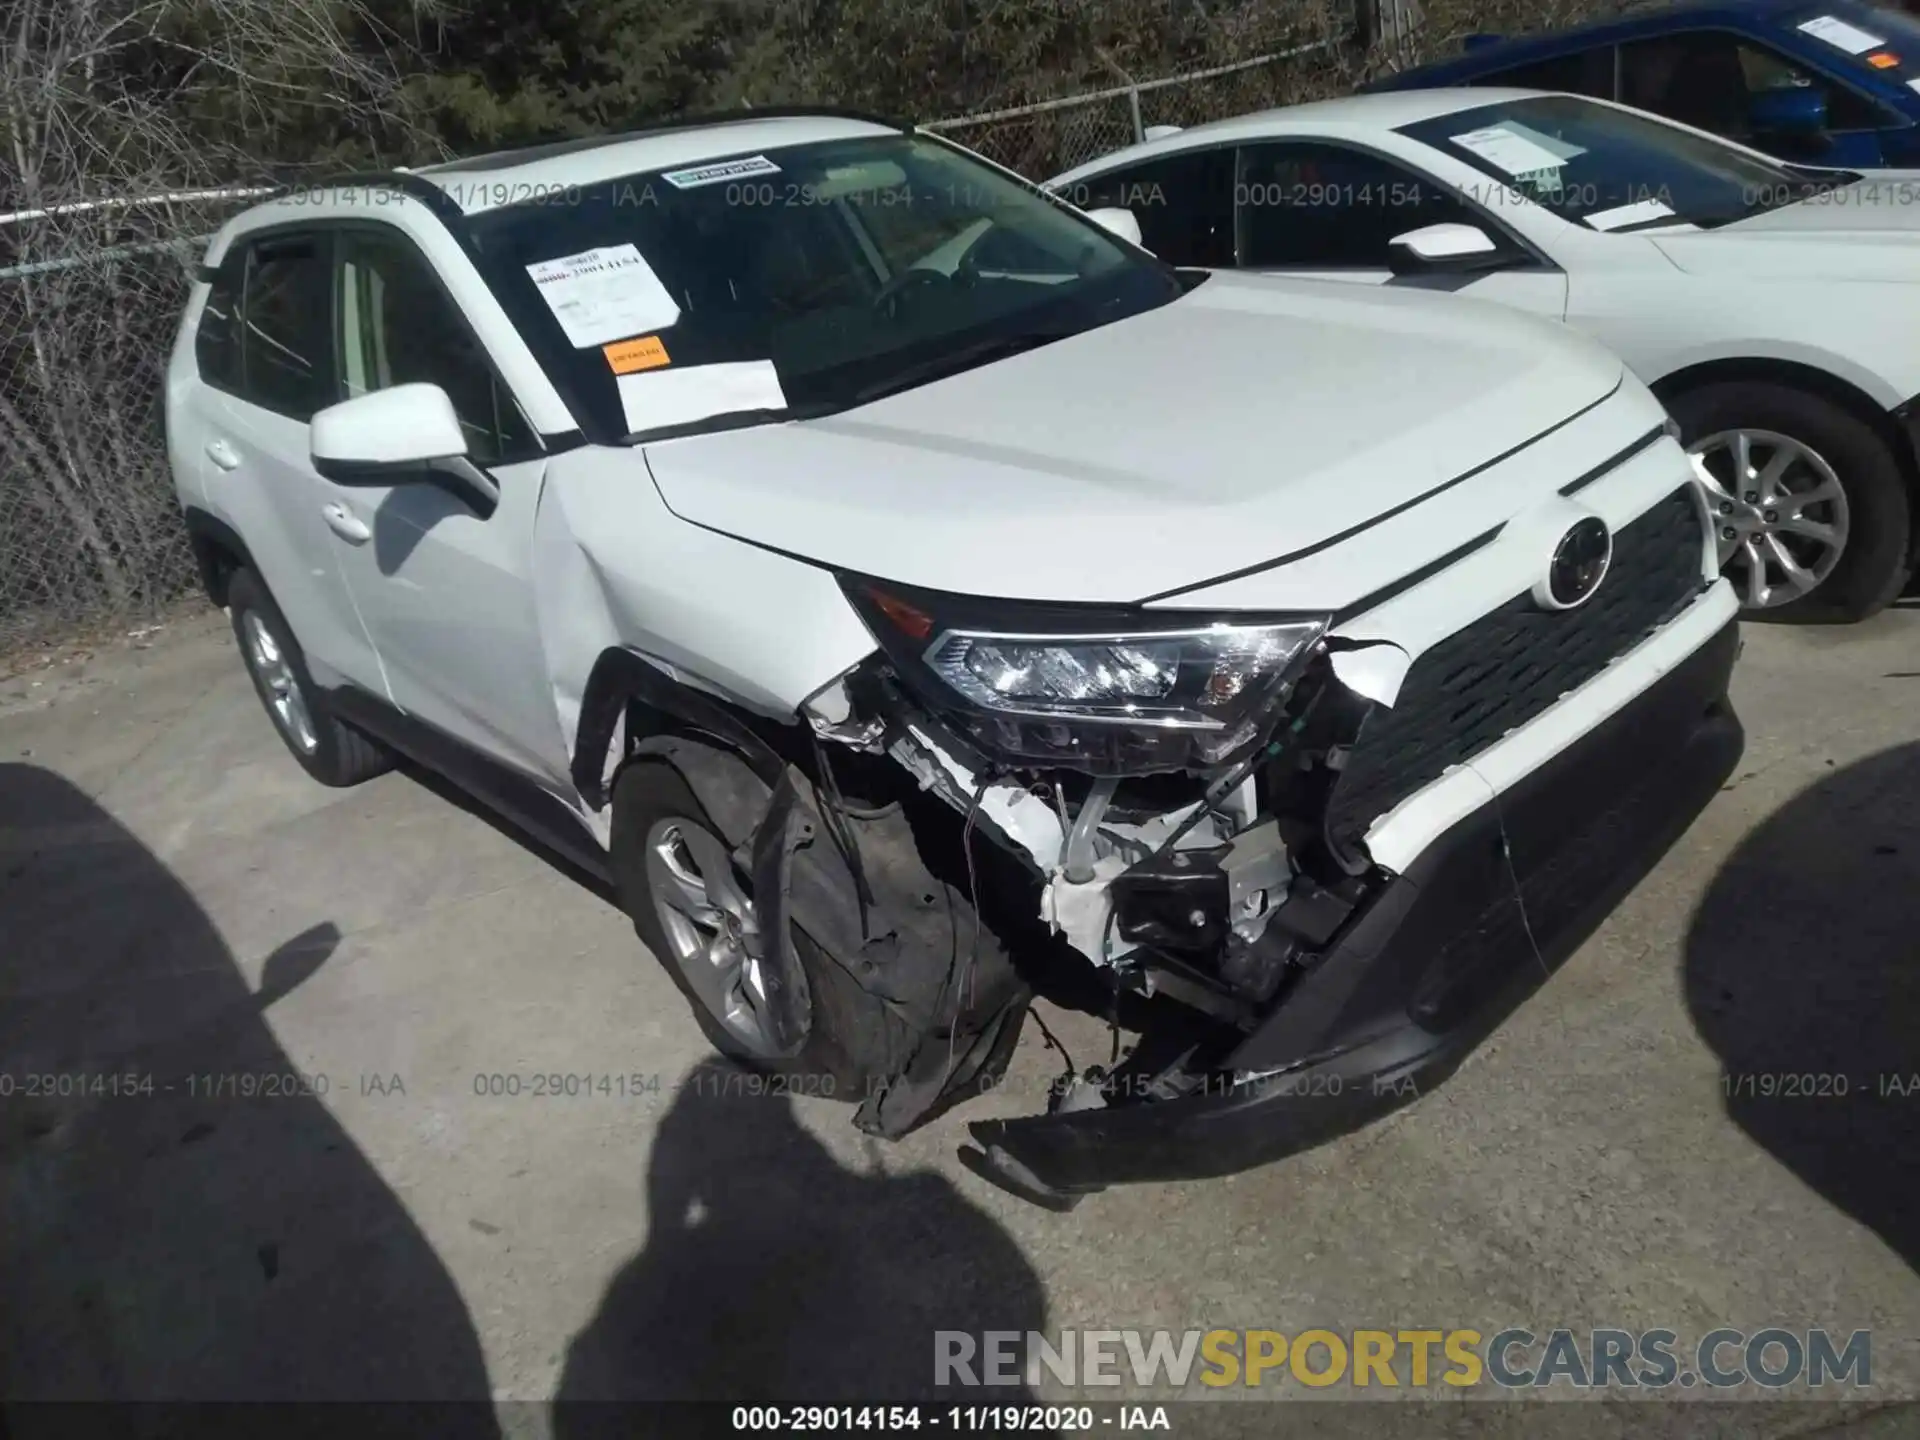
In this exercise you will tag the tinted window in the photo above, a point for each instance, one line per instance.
(1709, 78)
(283, 304)
(1615, 169)
(1588, 73)
(1321, 206)
(1184, 204)
(216, 344)
(397, 327)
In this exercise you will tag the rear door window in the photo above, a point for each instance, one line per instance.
(216, 343)
(286, 360)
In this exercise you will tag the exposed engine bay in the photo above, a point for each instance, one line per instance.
(1194, 896)
(1214, 833)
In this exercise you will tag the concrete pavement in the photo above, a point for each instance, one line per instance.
(178, 901)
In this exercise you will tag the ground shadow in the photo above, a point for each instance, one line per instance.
(772, 1274)
(163, 1235)
(1803, 974)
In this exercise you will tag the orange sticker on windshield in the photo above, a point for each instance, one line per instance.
(627, 356)
(1884, 61)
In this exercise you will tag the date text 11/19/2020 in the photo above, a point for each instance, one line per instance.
(1022, 1419)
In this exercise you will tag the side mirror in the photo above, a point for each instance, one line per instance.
(1796, 111)
(1447, 247)
(1118, 219)
(407, 435)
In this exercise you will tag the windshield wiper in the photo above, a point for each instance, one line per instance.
(953, 362)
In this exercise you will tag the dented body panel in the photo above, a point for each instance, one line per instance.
(613, 567)
(1209, 657)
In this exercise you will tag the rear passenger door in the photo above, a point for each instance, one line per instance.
(265, 359)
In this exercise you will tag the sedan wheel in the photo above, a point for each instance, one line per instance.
(1779, 511)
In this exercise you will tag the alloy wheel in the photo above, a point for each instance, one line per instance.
(1779, 513)
(285, 702)
(712, 932)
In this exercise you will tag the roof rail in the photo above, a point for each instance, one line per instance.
(658, 125)
(407, 182)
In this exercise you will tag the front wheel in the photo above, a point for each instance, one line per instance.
(1809, 505)
(692, 906)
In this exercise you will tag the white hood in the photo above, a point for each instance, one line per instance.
(1867, 231)
(1250, 419)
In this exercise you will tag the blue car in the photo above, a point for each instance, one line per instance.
(1820, 84)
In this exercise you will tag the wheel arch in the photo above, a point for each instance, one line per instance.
(218, 551)
(625, 685)
(1902, 441)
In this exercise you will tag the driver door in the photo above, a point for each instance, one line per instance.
(1327, 212)
(446, 595)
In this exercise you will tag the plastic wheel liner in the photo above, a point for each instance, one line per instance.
(947, 1005)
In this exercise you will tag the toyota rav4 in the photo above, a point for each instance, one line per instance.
(910, 597)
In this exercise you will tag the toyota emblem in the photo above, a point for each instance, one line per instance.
(1578, 565)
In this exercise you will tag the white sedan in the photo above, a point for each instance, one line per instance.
(1774, 308)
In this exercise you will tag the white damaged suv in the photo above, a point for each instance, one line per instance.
(907, 594)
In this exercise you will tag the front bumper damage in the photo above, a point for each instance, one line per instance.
(1435, 961)
(1304, 938)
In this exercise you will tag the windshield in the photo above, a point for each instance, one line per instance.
(797, 281)
(1613, 169)
(1876, 38)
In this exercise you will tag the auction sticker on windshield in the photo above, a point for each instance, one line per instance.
(1842, 36)
(604, 294)
(1638, 213)
(1510, 151)
(648, 352)
(660, 399)
(722, 170)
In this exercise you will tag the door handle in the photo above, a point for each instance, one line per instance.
(223, 455)
(344, 523)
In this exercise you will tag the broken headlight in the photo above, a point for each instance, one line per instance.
(1103, 690)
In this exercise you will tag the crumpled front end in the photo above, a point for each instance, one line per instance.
(1319, 864)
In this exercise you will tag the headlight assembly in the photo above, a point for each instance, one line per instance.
(1106, 691)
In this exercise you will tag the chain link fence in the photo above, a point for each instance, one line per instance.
(90, 533)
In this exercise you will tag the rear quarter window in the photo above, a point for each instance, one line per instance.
(216, 343)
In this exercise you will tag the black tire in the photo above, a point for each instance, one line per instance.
(339, 755)
(844, 1019)
(1876, 561)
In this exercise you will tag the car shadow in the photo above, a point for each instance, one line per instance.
(773, 1274)
(180, 1217)
(1803, 975)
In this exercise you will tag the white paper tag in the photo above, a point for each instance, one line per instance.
(682, 395)
(1515, 154)
(604, 294)
(1842, 36)
(1637, 213)
(1914, 85)
(722, 170)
